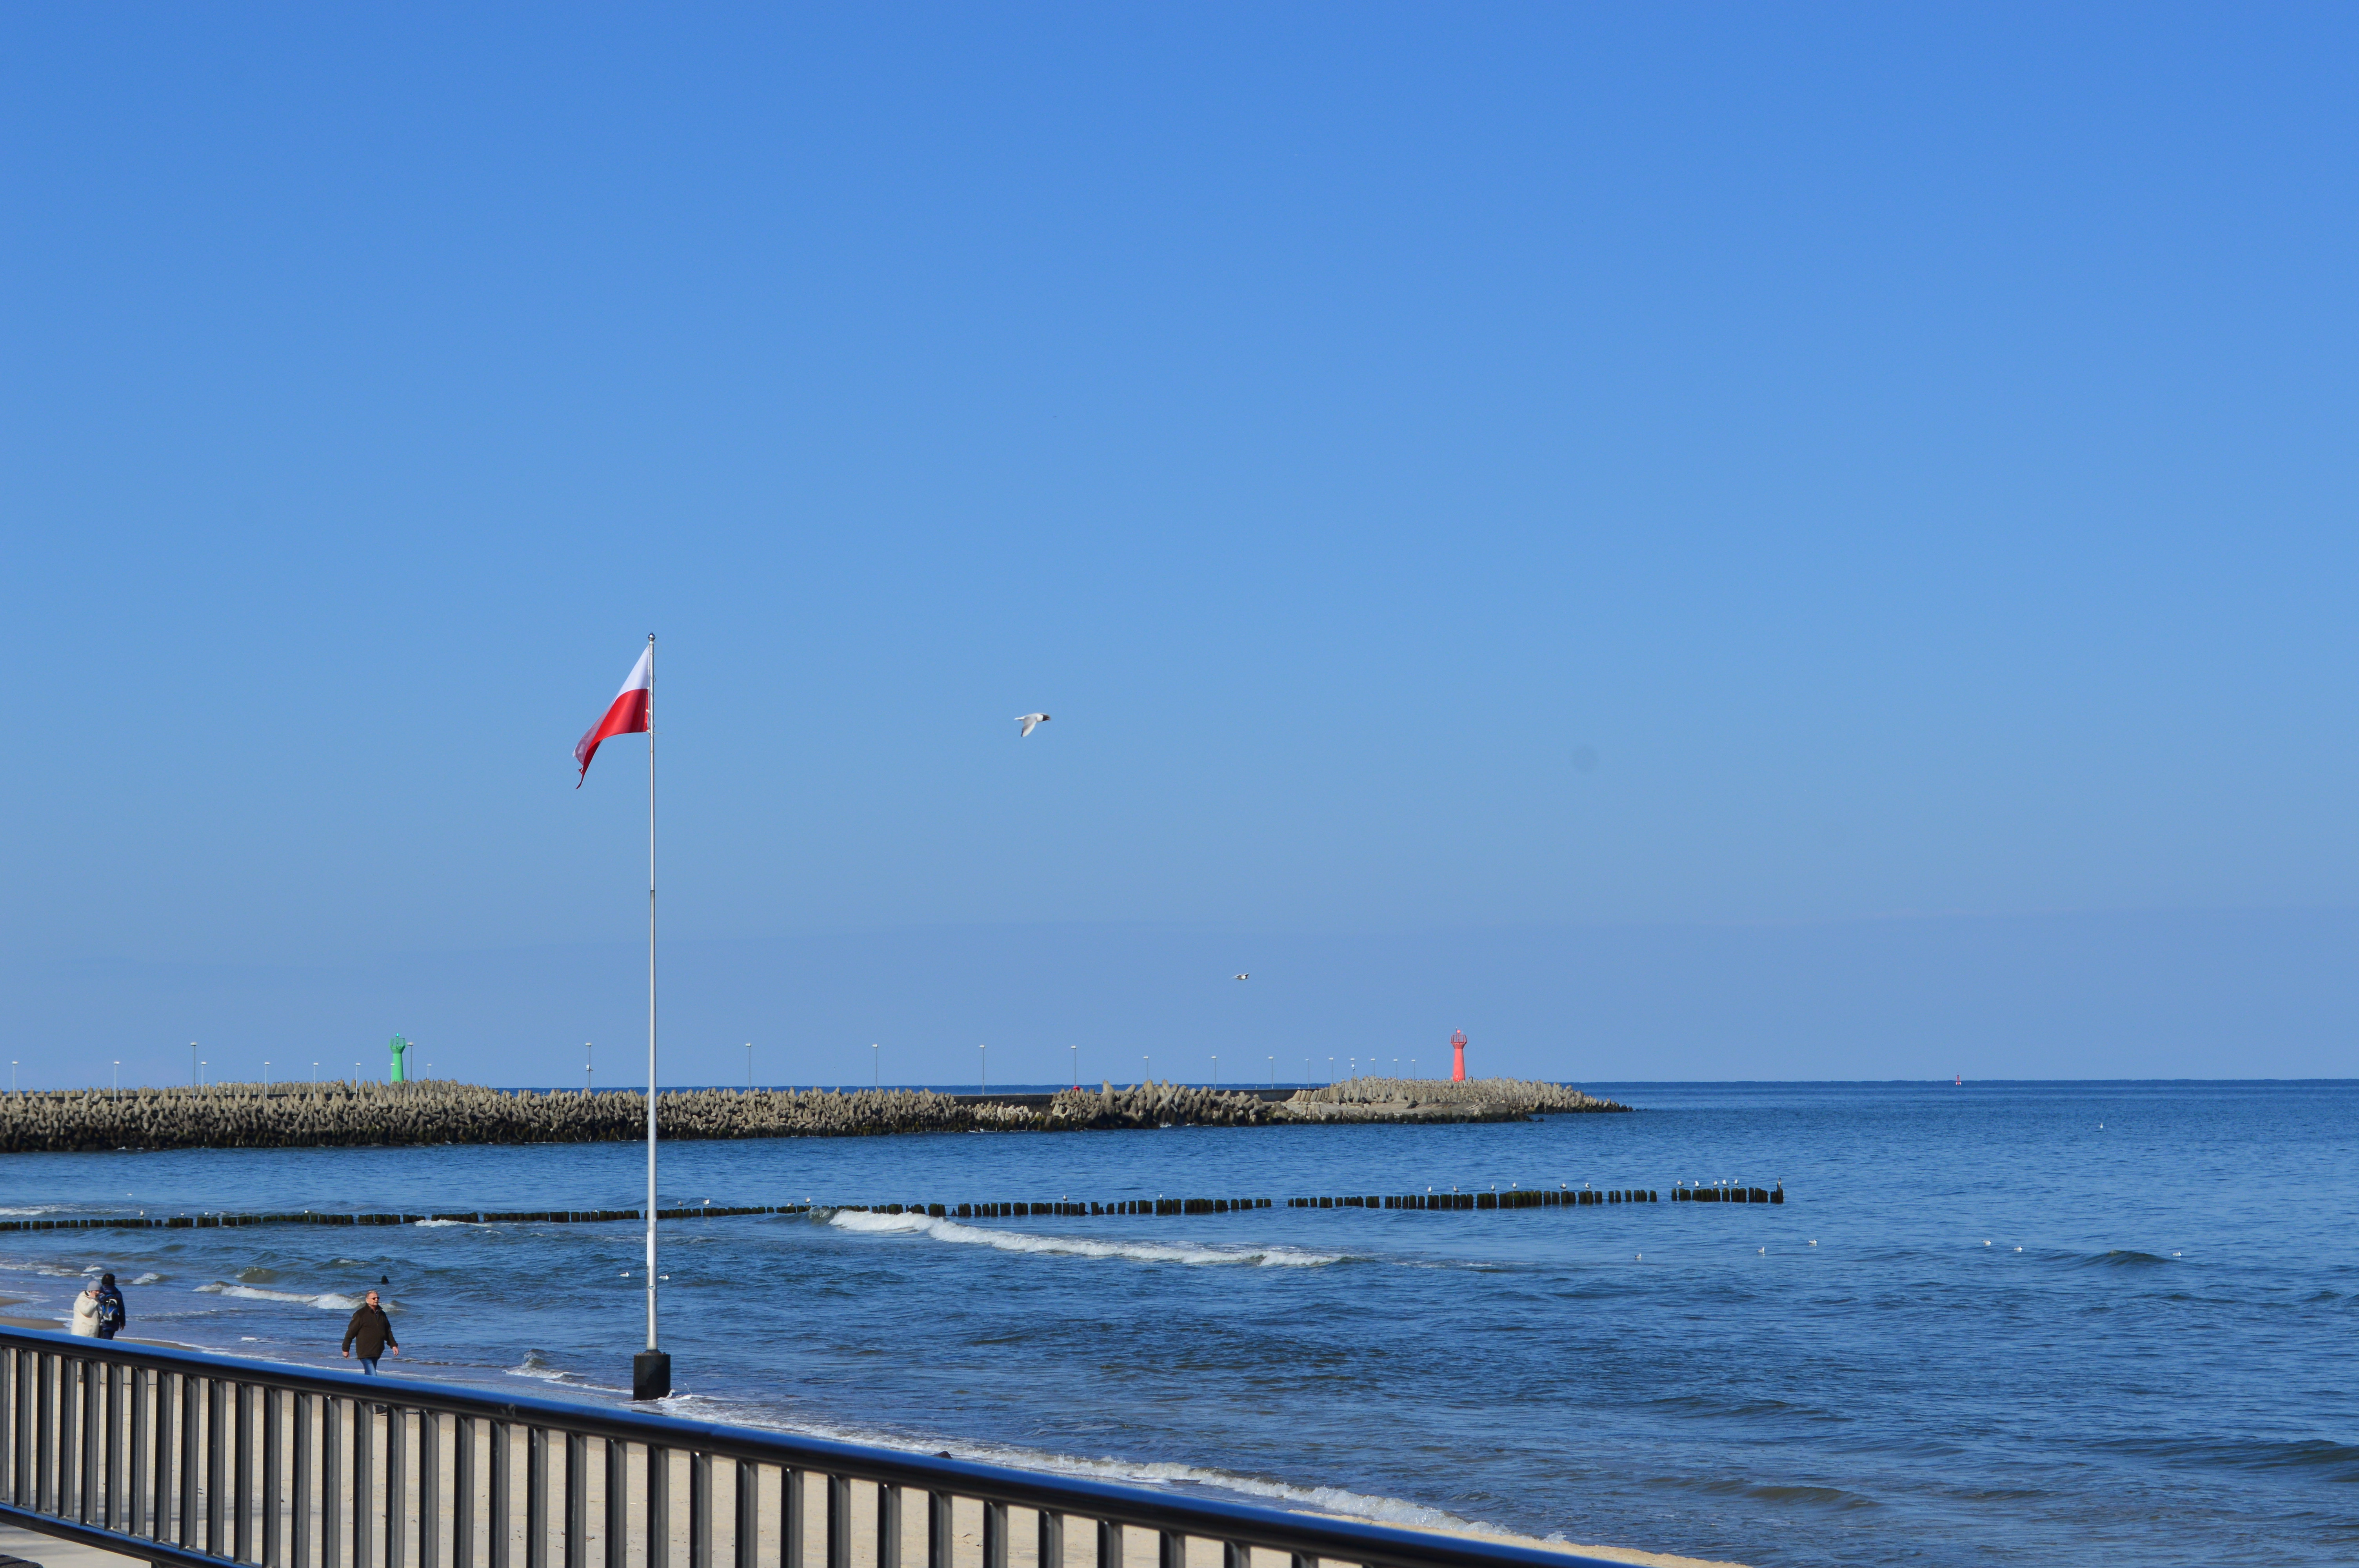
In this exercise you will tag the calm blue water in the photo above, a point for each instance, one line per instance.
(2020, 1337)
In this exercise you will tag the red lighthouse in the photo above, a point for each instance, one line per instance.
(1458, 1055)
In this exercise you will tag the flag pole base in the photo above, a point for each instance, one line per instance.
(651, 1375)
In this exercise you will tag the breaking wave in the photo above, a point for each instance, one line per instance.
(1323, 1499)
(328, 1301)
(1075, 1247)
(436, 1224)
(535, 1364)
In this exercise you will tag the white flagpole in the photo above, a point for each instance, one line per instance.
(652, 1378)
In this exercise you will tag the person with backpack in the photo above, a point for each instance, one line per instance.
(370, 1333)
(112, 1314)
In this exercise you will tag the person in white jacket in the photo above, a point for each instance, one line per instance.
(85, 1313)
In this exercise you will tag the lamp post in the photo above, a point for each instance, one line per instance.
(876, 1067)
(986, 1066)
(194, 1069)
(118, 1078)
(1077, 1064)
(1273, 1072)
(1331, 1072)
(749, 1066)
(589, 1061)
(1216, 1072)
(201, 1073)
(1150, 1069)
(265, 1078)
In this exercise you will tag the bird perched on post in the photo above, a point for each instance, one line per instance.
(1030, 721)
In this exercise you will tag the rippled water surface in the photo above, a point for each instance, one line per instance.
(2007, 1323)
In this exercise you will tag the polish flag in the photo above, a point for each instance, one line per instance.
(626, 715)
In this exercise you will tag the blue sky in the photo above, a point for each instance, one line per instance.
(1483, 492)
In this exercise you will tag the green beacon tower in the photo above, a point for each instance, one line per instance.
(400, 1048)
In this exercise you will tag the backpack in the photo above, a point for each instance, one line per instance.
(110, 1308)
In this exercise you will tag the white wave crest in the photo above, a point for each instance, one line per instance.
(1076, 1247)
(535, 1364)
(36, 1209)
(1319, 1500)
(328, 1301)
(149, 1280)
(434, 1224)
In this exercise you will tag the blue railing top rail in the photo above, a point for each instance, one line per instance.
(1340, 1539)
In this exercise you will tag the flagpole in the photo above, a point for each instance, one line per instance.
(651, 1371)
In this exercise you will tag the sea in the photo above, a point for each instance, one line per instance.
(1992, 1323)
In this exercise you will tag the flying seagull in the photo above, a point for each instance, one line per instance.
(1244, 977)
(1030, 721)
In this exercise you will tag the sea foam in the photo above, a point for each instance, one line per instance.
(1195, 1255)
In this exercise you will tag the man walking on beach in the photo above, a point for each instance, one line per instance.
(372, 1332)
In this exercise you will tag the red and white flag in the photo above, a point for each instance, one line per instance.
(626, 715)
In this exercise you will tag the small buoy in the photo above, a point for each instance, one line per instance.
(2019, 1249)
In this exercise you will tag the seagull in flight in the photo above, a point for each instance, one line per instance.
(1030, 721)
(1244, 977)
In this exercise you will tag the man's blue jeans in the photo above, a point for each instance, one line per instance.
(368, 1365)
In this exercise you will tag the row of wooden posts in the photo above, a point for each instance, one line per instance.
(1515, 1197)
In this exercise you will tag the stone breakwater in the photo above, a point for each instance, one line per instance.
(306, 1116)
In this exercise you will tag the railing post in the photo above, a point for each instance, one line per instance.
(1170, 1548)
(1109, 1544)
(429, 1489)
(299, 1492)
(699, 1510)
(994, 1534)
(1235, 1554)
(192, 1453)
(242, 1468)
(839, 1521)
(166, 1425)
(112, 1511)
(462, 1491)
(937, 1530)
(363, 1483)
(536, 1497)
(1051, 1548)
(746, 1540)
(69, 1435)
(217, 1485)
(135, 1501)
(618, 1504)
(790, 1517)
(274, 1468)
(91, 1495)
(577, 1502)
(332, 1481)
(889, 1525)
(658, 1546)
(397, 1482)
(44, 1485)
(497, 1526)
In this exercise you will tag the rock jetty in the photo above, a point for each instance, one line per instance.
(344, 1114)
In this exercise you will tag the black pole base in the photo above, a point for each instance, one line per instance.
(651, 1375)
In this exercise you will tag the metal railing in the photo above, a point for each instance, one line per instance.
(184, 1459)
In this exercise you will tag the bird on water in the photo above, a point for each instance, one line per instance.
(1030, 721)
